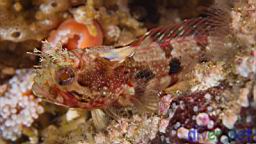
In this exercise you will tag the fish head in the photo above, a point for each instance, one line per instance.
(80, 78)
(56, 77)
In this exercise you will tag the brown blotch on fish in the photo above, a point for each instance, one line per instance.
(175, 66)
(145, 74)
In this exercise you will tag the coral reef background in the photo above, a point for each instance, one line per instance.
(217, 97)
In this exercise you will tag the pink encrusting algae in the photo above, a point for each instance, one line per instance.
(18, 106)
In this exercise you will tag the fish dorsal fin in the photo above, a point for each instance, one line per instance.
(119, 54)
(114, 54)
(214, 22)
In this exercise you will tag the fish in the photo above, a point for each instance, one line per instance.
(133, 75)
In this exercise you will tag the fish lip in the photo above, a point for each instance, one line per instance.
(69, 99)
(41, 92)
(37, 90)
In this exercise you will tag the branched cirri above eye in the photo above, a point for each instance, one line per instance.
(65, 76)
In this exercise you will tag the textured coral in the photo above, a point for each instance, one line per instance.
(214, 91)
(244, 19)
(134, 130)
(212, 96)
(17, 24)
(18, 107)
(115, 18)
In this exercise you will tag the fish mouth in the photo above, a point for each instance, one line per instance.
(55, 95)
(37, 90)
(41, 92)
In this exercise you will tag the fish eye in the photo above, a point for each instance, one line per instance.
(65, 76)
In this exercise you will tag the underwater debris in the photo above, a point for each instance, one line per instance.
(18, 106)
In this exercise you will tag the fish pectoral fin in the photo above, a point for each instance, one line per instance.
(147, 96)
(113, 112)
(99, 118)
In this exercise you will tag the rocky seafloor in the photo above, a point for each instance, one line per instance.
(213, 100)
